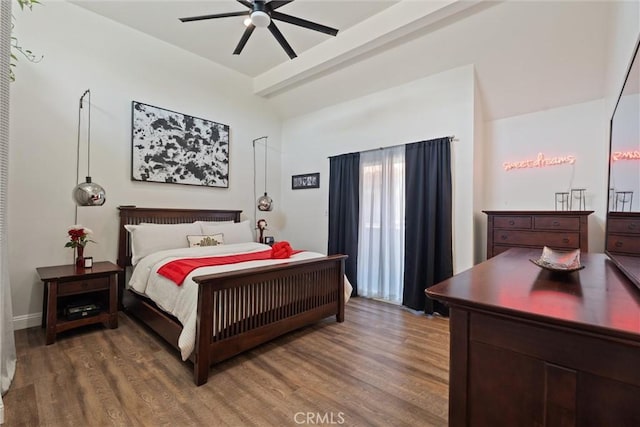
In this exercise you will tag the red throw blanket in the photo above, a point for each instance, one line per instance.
(178, 270)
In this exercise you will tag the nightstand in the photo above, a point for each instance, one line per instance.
(65, 284)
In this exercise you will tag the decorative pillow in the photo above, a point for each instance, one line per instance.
(149, 238)
(212, 240)
(237, 232)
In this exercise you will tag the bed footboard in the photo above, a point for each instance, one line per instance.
(242, 309)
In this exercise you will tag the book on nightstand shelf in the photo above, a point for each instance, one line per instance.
(81, 310)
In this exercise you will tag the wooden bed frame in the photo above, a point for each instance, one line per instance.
(236, 310)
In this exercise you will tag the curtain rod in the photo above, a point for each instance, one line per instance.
(452, 138)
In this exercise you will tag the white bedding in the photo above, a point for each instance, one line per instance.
(181, 301)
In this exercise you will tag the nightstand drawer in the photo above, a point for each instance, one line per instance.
(512, 222)
(557, 223)
(81, 286)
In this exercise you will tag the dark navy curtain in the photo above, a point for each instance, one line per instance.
(428, 223)
(344, 211)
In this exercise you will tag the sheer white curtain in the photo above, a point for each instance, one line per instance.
(7, 343)
(381, 233)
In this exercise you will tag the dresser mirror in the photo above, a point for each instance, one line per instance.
(623, 217)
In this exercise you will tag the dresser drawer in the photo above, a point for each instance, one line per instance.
(556, 223)
(536, 238)
(80, 286)
(624, 225)
(620, 243)
(512, 222)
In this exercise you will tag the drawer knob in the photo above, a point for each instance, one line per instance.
(512, 222)
(632, 226)
(503, 237)
(555, 223)
(565, 240)
(85, 285)
(618, 244)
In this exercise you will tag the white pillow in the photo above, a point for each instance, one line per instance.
(201, 241)
(237, 232)
(214, 222)
(149, 238)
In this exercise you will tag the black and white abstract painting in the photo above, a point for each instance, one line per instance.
(179, 149)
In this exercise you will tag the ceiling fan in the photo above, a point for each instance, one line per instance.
(262, 13)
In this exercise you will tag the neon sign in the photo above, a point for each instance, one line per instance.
(539, 162)
(625, 155)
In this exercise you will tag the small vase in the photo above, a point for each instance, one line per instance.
(80, 257)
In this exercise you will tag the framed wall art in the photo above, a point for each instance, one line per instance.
(308, 180)
(176, 148)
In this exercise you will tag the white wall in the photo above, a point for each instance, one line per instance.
(578, 130)
(82, 50)
(432, 107)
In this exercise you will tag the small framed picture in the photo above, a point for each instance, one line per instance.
(88, 262)
(307, 180)
(269, 240)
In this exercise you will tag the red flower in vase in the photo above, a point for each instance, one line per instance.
(78, 237)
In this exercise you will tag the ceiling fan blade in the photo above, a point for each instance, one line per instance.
(278, 35)
(275, 4)
(244, 39)
(246, 3)
(303, 23)
(217, 15)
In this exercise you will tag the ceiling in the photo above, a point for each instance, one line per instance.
(528, 55)
(215, 39)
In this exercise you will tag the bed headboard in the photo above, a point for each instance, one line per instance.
(134, 215)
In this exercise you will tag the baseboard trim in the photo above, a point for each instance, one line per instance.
(27, 321)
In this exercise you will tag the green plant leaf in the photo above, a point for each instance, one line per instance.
(15, 46)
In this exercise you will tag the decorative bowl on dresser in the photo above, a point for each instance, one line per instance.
(536, 229)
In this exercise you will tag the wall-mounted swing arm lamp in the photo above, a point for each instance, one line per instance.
(265, 203)
(87, 193)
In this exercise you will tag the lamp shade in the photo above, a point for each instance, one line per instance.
(89, 194)
(265, 203)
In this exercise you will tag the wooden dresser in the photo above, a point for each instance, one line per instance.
(531, 347)
(535, 229)
(623, 233)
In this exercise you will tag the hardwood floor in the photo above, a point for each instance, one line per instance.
(384, 366)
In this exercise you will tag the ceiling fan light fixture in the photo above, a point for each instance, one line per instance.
(260, 19)
(263, 14)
